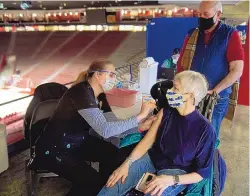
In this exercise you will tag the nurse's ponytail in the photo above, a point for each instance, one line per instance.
(81, 77)
(97, 65)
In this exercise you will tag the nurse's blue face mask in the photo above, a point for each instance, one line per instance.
(175, 100)
(175, 58)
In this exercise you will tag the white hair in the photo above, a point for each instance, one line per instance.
(193, 82)
(218, 6)
(216, 3)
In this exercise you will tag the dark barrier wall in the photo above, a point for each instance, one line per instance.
(96, 17)
(165, 34)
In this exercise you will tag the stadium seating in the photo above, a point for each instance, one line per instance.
(52, 56)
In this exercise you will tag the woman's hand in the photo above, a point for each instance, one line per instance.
(120, 173)
(147, 123)
(159, 184)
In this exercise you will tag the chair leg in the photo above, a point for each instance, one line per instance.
(29, 182)
(32, 181)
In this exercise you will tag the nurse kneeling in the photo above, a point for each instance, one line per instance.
(65, 145)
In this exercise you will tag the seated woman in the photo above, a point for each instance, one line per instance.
(172, 61)
(182, 142)
(66, 143)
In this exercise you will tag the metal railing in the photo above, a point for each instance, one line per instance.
(136, 56)
(21, 98)
(132, 65)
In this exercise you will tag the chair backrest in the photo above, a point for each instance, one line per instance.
(206, 106)
(43, 93)
(40, 117)
(44, 110)
(233, 100)
(158, 92)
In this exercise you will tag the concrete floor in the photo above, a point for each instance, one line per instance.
(234, 148)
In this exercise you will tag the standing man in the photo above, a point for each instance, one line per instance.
(215, 50)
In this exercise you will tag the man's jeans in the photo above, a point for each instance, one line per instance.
(137, 169)
(220, 111)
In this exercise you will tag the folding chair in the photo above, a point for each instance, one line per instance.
(40, 117)
(42, 93)
(233, 100)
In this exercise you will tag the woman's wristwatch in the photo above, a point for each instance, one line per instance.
(130, 161)
(176, 179)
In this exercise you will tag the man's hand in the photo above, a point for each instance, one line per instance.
(159, 184)
(144, 126)
(210, 92)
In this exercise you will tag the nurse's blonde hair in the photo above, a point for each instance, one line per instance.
(96, 65)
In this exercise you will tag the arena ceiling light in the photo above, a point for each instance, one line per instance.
(2, 7)
(25, 5)
(53, 5)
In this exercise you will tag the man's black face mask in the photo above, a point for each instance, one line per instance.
(206, 23)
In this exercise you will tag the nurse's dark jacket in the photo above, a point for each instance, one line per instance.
(77, 113)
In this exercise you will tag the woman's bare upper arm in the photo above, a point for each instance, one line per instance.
(152, 132)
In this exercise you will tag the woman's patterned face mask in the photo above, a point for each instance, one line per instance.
(175, 100)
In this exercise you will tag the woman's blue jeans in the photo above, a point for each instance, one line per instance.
(137, 169)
